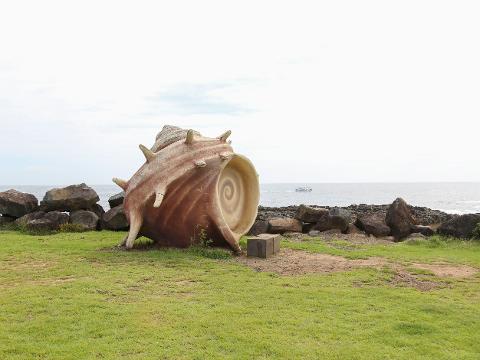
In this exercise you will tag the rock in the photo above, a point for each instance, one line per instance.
(423, 215)
(53, 220)
(116, 199)
(399, 219)
(6, 220)
(266, 213)
(41, 225)
(259, 227)
(309, 214)
(341, 216)
(353, 229)
(70, 198)
(461, 226)
(373, 225)
(115, 219)
(307, 227)
(283, 225)
(332, 232)
(314, 233)
(88, 220)
(16, 204)
(98, 210)
(336, 218)
(57, 218)
(415, 235)
(423, 229)
(28, 217)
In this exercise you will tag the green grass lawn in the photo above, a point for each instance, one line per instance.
(73, 296)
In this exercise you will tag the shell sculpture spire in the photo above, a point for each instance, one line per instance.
(191, 188)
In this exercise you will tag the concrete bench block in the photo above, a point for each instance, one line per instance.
(263, 245)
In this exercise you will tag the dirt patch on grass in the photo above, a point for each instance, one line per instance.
(448, 270)
(297, 262)
(404, 278)
(28, 263)
(334, 236)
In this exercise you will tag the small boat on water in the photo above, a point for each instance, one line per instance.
(303, 189)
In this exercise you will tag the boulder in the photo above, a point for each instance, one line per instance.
(461, 226)
(353, 229)
(332, 232)
(283, 225)
(28, 217)
(309, 214)
(400, 219)
(98, 210)
(115, 219)
(259, 227)
(415, 236)
(57, 218)
(116, 199)
(307, 227)
(373, 225)
(314, 233)
(336, 218)
(70, 198)
(41, 225)
(341, 216)
(6, 220)
(15, 204)
(423, 229)
(88, 220)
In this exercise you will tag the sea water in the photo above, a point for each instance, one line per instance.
(459, 198)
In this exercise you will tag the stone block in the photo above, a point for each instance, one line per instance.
(263, 246)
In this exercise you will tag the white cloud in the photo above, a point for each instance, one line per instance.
(313, 91)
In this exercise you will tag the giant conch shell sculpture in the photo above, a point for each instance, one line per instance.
(191, 188)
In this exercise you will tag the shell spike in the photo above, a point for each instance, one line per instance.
(122, 183)
(149, 154)
(200, 163)
(189, 139)
(226, 155)
(225, 136)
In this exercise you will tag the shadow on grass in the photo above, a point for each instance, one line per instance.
(144, 244)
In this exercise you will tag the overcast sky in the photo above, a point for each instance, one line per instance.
(320, 91)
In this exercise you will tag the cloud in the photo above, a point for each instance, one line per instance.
(195, 99)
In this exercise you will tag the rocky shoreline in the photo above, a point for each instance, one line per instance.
(395, 221)
(424, 215)
(76, 207)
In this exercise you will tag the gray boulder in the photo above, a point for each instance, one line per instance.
(15, 204)
(283, 225)
(70, 198)
(98, 210)
(423, 229)
(373, 224)
(28, 217)
(400, 219)
(309, 214)
(57, 218)
(461, 226)
(88, 220)
(115, 219)
(41, 225)
(6, 220)
(259, 227)
(116, 199)
(336, 218)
